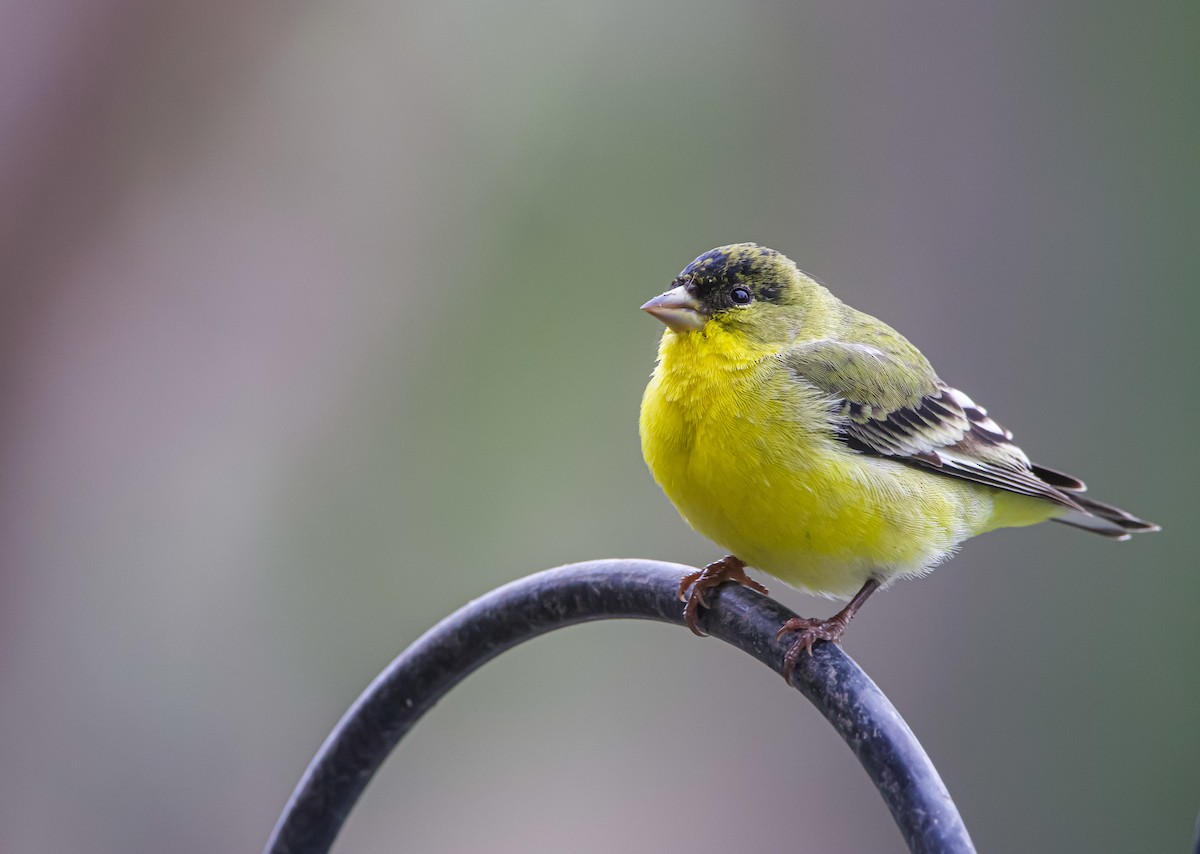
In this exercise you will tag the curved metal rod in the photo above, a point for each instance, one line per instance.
(600, 590)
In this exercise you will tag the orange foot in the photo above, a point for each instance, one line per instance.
(714, 575)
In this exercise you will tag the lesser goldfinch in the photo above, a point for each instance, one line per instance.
(818, 445)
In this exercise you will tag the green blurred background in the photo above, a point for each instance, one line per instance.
(319, 320)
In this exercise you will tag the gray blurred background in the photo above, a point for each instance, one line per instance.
(318, 320)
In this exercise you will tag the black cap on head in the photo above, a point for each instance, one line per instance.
(713, 275)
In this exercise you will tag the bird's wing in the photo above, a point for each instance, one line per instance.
(892, 405)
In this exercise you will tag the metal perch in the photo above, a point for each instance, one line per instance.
(602, 590)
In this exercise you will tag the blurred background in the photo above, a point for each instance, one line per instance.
(317, 321)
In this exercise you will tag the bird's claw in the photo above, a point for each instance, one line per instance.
(808, 631)
(686, 582)
(693, 586)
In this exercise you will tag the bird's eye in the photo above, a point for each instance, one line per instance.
(740, 296)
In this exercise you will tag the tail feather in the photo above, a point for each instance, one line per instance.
(1104, 519)
(1059, 479)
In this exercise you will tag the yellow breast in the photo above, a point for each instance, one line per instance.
(746, 453)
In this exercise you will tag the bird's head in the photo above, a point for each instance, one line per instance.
(743, 289)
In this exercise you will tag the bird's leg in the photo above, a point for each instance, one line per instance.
(811, 630)
(728, 568)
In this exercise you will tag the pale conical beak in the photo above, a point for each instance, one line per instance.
(678, 309)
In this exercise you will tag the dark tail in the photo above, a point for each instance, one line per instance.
(1104, 519)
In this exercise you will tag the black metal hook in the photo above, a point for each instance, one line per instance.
(601, 590)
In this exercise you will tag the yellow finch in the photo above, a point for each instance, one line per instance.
(817, 444)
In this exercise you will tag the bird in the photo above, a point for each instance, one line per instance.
(817, 445)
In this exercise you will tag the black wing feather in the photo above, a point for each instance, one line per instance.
(947, 433)
(890, 404)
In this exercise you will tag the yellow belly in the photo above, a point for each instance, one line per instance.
(746, 455)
